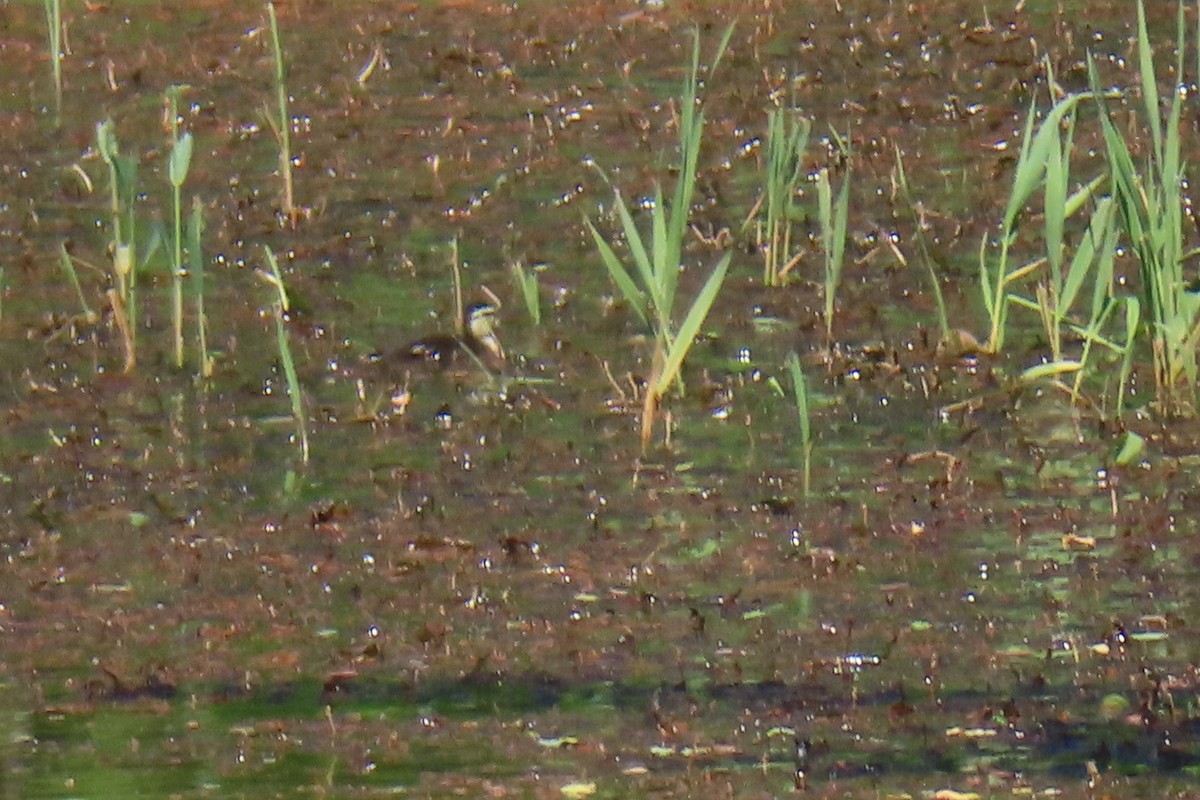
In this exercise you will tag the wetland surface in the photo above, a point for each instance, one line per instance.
(483, 585)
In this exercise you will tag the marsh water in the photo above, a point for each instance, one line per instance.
(484, 585)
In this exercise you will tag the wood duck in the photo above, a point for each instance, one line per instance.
(478, 339)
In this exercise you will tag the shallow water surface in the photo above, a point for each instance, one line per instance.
(482, 583)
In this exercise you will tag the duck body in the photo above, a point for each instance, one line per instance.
(478, 340)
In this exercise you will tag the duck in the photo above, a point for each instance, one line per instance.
(478, 340)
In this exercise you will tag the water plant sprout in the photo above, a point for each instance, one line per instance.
(657, 262)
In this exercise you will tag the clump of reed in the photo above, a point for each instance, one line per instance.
(1144, 205)
(650, 287)
(182, 240)
(787, 139)
(1151, 205)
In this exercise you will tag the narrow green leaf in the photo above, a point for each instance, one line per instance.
(633, 295)
(691, 325)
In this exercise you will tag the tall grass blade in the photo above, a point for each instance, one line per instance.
(284, 125)
(616, 270)
(800, 393)
(68, 265)
(54, 30)
(281, 305)
(923, 244)
(691, 325)
(527, 282)
(833, 222)
(196, 269)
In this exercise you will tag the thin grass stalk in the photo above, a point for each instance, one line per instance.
(68, 265)
(923, 244)
(284, 129)
(54, 28)
(800, 394)
(196, 269)
(282, 305)
(459, 305)
(178, 164)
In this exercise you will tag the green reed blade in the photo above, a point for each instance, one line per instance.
(833, 223)
(196, 269)
(691, 325)
(666, 252)
(800, 393)
(527, 282)
(1085, 254)
(54, 31)
(1149, 82)
(633, 238)
(633, 295)
(275, 278)
(68, 265)
(1058, 175)
(284, 130)
(1132, 326)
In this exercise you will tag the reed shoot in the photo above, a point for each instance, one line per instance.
(651, 286)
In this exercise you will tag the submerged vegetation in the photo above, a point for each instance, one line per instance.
(925, 392)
